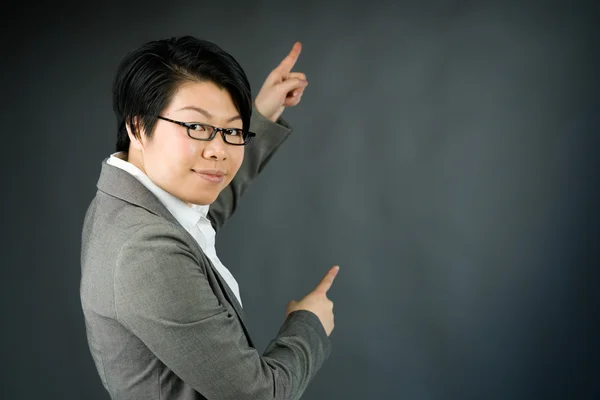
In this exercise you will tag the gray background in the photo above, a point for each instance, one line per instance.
(444, 155)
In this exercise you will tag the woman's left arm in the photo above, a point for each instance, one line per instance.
(269, 136)
(282, 88)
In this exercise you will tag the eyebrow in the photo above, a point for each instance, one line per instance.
(206, 113)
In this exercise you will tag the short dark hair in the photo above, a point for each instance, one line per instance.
(148, 77)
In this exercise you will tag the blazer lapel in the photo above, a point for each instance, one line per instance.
(225, 288)
(230, 297)
(119, 183)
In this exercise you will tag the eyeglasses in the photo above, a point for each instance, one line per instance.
(198, 131)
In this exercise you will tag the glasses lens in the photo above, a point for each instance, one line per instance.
(234, 136)
(200, 131)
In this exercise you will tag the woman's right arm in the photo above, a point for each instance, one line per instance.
(163, 297)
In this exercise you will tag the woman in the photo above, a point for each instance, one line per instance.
(163, 314)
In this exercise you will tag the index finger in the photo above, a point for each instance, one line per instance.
(327, 280)
(290, 60)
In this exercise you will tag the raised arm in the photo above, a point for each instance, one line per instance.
(282, 88)
(269, 136)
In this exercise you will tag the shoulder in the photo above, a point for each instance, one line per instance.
(118, 215)
(113, 225)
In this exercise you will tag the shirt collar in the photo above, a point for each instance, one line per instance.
(187, 215)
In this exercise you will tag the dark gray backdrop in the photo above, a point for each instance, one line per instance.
(444, 155)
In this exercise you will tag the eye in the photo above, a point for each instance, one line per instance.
(233, 132)
(197, 127)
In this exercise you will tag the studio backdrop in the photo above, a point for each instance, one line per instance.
(443, 155)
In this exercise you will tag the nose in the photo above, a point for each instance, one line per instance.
(216, 149)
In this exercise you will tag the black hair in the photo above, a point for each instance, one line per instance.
(148, 77)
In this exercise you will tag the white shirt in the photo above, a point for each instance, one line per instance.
(193, 218)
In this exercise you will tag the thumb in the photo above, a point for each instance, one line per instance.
(327, 281)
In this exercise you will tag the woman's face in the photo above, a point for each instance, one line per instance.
(194, 171)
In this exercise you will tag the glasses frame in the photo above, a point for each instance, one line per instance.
(246, 135)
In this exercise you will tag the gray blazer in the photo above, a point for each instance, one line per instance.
(161, 323)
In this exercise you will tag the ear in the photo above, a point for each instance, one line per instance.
(136, 141)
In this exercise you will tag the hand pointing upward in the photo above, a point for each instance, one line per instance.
(282, 88)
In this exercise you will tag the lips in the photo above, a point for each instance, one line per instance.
(210, 175)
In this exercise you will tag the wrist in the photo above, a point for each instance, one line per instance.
(269, 113)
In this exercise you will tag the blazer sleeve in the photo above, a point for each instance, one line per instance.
(163, 297)
(269, 136)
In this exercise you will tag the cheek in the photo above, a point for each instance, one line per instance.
(192, 150)
(170, 157)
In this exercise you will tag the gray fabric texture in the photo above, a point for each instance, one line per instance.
(161, 322)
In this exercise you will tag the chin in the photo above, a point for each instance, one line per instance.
(204, 200)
